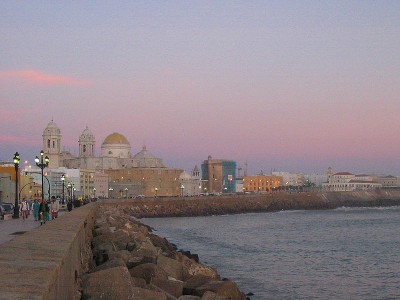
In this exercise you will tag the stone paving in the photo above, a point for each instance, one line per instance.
(13, 227)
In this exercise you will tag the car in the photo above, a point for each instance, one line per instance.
(8, 208)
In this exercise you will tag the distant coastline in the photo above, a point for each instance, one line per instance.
(236, 204)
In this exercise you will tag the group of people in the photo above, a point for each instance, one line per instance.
(42, 211)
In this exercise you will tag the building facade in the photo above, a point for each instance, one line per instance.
(218, 175)
(261, 183)
(143, 169)
(346, 181)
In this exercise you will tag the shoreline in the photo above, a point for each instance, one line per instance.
(225, 205)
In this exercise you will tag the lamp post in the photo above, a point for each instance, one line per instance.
(182, 188)
(126, 193)
(110, 189)
(69, 191)
(42, 163)
(156, 190)
(63, 186)
(16, 165)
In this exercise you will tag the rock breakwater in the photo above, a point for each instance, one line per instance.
(130, 262)
(204, 206)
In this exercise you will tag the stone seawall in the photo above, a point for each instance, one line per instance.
(48, 261)
(203, 206)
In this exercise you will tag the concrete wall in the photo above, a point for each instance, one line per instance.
(47, 262)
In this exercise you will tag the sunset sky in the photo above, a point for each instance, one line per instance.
(288, 85)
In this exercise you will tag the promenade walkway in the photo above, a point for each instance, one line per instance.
(12, 227)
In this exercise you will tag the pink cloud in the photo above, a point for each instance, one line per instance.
(37, 77)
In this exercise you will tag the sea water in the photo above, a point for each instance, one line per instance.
(346, 253)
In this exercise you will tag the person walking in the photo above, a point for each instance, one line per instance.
(54, 208)
(24, 209)
(47, 211)
(42, 212)
(69, 205)
(35, 208)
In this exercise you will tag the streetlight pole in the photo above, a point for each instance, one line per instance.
(63, 186)
(182, 188)
(156, 190)
(42, 163)
(16, 165)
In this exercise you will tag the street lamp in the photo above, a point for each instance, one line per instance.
(16, 165)
(126, 193)
(63, 185)
(110, 189)
(42, 163)
(156, 190)
(69, 186)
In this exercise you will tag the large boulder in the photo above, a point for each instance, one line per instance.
(98, 285)
(166, 247)
(226, 288)
(172, 267)
(108, 265)
(194, 282)
(192, 268)
(145, 294)
(148, 271)
(171, 287)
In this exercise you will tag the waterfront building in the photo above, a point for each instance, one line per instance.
(219, 175)
(389, 181)
(261, 183)
(316, 180)
(101, 185)
(149, 182)
(291, 179)
(190, 185)
(346, 181)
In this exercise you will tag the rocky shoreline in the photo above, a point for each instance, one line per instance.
(130, 262)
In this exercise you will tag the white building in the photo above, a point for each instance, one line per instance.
(345, 181)
(291, 179)
(190, 185)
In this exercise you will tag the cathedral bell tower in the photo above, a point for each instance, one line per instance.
(87, 144)
(52, 144)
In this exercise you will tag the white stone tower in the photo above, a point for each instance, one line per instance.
(87, 144)
(52, 144)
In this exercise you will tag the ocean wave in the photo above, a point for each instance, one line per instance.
(374, 208)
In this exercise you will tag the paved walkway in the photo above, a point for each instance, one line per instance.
(13, 227)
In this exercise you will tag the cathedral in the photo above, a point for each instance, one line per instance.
(115, 152)
(140, 174)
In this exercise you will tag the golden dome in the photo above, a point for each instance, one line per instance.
(115, 138)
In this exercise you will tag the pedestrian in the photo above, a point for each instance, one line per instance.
(43, 210)
(47, 215)
(35, 208)
(69, 205)
(24, 209)
(54, 208)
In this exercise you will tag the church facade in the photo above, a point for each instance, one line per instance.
(130, 175)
